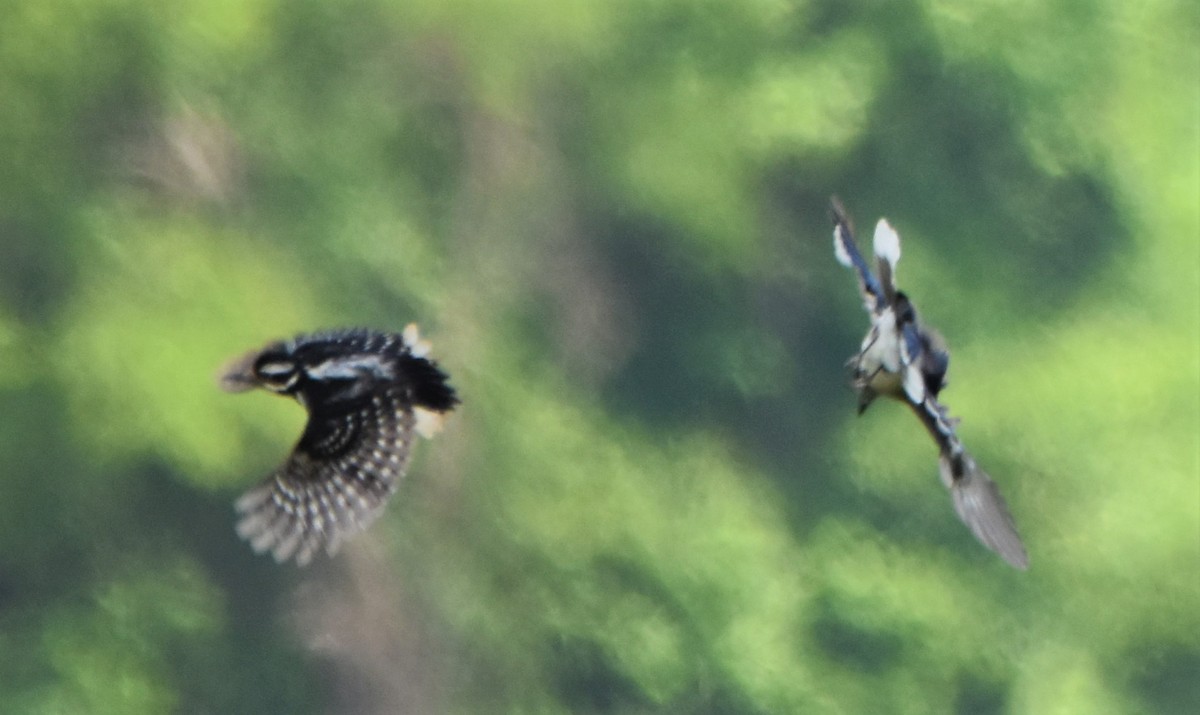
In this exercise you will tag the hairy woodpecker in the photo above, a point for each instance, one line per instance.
(367, 394)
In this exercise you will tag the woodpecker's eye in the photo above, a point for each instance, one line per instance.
(276, 372)
(276, 368)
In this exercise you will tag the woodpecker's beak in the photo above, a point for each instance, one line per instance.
(237, 375)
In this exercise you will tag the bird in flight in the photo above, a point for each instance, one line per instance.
(903, 359)
(368, 394)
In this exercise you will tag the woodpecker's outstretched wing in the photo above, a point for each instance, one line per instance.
(335, 482)
(367, 394)
(846, 250)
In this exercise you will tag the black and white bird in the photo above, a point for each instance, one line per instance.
(368, 395)
(903, 359)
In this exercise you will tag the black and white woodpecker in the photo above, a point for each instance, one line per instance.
(903, 359)
(368, 394)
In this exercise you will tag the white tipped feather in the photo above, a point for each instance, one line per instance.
(914, 384)
(428, 423)
(839, 247)
(887, 243)
(412, 338)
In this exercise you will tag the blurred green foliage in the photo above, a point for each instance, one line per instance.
(610, 217)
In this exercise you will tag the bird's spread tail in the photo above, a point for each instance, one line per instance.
(431, 390)
(982, 509)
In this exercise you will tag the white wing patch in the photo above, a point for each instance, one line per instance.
(887, 243)
(839, 247)
(349, 368)
(914, 384)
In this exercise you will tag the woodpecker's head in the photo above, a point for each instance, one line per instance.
(272, 368)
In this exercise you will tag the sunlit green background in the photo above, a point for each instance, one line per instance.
(610, 218)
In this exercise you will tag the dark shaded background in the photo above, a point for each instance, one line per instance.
(610, 218)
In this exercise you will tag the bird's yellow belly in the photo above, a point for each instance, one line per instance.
(886, 383)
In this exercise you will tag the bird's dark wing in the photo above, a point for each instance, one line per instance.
(847, 253)
(336, 481)
(977, 500)
(935, 360)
